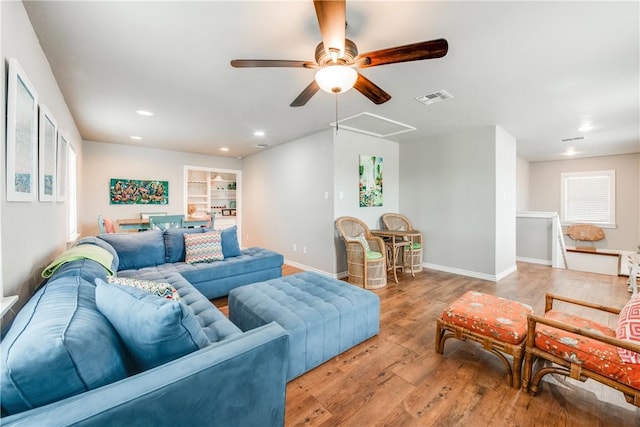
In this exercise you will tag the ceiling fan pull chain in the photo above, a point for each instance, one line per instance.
(336, 95)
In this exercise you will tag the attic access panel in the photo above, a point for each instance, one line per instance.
(373, 125)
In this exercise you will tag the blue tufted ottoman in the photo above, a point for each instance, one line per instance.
(322, 315)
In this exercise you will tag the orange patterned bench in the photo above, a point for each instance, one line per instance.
(499, 324)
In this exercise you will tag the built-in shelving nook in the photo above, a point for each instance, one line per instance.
(213, 191)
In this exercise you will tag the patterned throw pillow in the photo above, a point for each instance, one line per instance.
(160, 289)
(203, 247)
(628, 328)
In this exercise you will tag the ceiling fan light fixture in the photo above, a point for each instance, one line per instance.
(336, 78)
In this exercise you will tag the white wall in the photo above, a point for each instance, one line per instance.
(348, 148)
(288, 200)
(293, 195)
(448, 189)
(505, 209)
(33, 233)
(545, 194)
(104, 161)
(522, 185)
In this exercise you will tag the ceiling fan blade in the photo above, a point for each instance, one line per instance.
(411, 52)
(370, 90)
(332, 18)
(253, 63)
(306, 94)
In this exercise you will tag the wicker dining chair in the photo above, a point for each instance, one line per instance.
(366, 262)
(395, 221)
(163, 222)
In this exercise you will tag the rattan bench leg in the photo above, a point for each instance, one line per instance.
(445, 331)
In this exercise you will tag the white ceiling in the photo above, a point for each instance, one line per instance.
(537, 69)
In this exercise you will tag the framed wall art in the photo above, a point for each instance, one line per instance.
(370, 185)
(61, 166)
(47, 155)
(138, 192)
(22, 136)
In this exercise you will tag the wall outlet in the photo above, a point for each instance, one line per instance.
(295, 247)
(304, 249)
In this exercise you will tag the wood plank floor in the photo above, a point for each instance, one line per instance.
(397, 378)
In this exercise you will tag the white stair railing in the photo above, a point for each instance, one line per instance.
(558, 249)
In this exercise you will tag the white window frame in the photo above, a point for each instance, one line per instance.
(72, 196)
(565, 215)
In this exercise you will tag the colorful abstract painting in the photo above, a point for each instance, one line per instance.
(138, 192)
(370, 170)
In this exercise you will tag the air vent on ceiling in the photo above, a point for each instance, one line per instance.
(577, 138)
(373, 125)
(262, 145)
(431, 98)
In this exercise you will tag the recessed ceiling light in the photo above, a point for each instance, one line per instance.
(144, 113)
(586, 127)
(570, 152)
(258, 133)
(137, 138)
(224, 148)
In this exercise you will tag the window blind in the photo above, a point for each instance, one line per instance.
(588, 197)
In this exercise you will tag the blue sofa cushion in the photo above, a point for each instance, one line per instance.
(174, 243)
(92, 240)
(59, 344)
(155, 330)
(230, 244)
(137, 250)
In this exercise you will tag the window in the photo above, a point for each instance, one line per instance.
(589, 197)
(72, 192)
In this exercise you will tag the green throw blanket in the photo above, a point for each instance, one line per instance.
(93, 252)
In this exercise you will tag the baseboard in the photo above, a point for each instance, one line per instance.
(534, 260)
(307, 268)
(474, 274)
(506, 272)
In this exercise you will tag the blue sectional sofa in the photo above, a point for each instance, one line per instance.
(69, 357)
(156, 253)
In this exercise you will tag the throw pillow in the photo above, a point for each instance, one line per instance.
(230, 245)
(154, 330)
(204, 247)
(164, 290)
(628, 328)
(108, 226)
(363, 240)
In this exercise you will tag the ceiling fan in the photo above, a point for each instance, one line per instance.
(337, 57)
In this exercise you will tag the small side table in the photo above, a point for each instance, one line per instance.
(397, 240)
